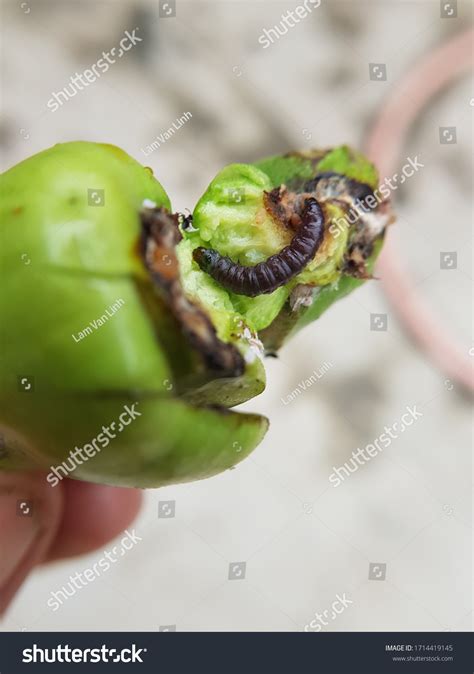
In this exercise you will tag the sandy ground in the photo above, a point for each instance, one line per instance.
(395, 537)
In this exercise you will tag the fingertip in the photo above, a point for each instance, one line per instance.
(30, 513)
(93, 515)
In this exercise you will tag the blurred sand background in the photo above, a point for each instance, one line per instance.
(303, 541)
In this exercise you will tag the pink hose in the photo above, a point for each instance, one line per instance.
(384, 144)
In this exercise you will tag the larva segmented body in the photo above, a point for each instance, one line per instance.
(278, 269)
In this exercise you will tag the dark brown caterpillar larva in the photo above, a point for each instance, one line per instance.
(267, 276)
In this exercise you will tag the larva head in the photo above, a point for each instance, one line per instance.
(205, 257)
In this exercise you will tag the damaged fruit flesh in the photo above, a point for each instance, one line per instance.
(105, 306)
(250, 213)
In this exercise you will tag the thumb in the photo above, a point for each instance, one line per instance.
(30, 512)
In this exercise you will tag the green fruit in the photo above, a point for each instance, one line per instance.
(96, 331)
(80, 327)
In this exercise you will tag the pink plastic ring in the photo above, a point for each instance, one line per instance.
(386, 139)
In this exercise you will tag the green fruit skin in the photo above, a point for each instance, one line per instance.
(70, 262)
(171, 441)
